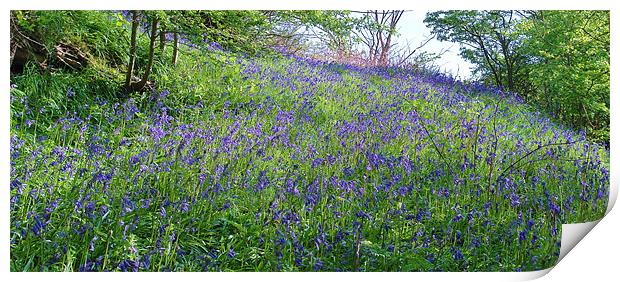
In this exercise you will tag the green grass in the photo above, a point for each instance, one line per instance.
(293, 166)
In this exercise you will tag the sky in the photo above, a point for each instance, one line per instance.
(411, 28)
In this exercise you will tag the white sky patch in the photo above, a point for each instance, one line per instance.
(411, 28)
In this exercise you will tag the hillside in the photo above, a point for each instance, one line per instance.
(280, 163)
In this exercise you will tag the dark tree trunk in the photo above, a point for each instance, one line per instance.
(132, 49)
(162, 40)
(491, 64)
(508, 59)
(149, 65)
(175, 49)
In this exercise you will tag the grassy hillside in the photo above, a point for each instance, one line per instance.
(279, 163)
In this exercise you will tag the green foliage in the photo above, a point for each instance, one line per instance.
(53, 92)
(171, 175)
(234, 30)
(488, 39)
(569, 67)
(557, 60)
(224, 98)
(53, 95)
(94, 32)
(253, 31)
(332, 27)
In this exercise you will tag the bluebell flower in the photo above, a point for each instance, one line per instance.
(162, 212)
(38, 225)
(522, 235)
(456, 254)
(318, 265)
(128, 265)
(555, 209)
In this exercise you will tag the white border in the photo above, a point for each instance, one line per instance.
(596, 258)
(311, 5)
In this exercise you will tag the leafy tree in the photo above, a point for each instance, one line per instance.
(293, 30)
(558, 60)
(246, 31)
(233, 29)
(153, 18)
(568, 66)
(488, 39)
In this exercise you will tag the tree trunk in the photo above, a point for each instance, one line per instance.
(149, 65)
(511, 84)
(13, 51)
(132, 49)
(508, 57)
(175, 49)
(162, 40)
(385, 51)
(487, 57)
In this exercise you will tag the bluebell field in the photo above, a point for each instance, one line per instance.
(240, 163)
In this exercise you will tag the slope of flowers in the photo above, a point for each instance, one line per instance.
(285, 164)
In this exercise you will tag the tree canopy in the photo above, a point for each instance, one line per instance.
(557, 60)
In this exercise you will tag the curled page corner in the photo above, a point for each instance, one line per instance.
(531, 275)
(613, 192)
(572, 234)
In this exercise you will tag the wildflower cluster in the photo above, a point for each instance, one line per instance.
(302, 165)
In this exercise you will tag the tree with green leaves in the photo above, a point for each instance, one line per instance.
(230, 28)
(568, 66)
(557, 60)
(488, 39)
(294, 30)
(153, 18)
(246, 31)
